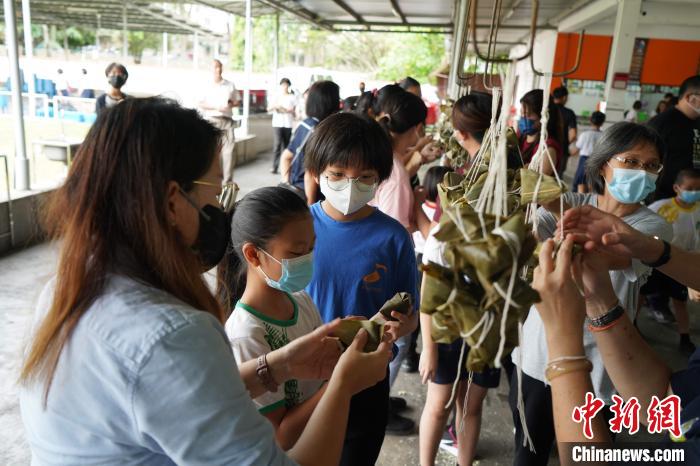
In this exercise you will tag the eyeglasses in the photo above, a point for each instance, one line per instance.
(227, 196)
(339, 182)
(634, 164)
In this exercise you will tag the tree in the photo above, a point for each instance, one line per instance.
(140, 41)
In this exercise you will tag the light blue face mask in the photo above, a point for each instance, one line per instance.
(296, 273)
(631, 186)
(689, 197)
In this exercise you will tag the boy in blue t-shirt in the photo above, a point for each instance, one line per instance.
(362, 257)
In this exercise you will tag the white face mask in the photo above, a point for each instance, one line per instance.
(349, 199)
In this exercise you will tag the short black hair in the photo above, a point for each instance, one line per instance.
(637, 105)
(690, 85)
(408, 82)
(598, 118)
(323, 100)
(615, 140)
(349, 103)
(349, 140)
(668, 96)
(433, 177)
(285, 80)
(560, 92)
(687, 173)
(118, 66)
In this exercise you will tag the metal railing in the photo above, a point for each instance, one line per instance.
(10, 218)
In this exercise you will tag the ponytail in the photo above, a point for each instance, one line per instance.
(256, 219)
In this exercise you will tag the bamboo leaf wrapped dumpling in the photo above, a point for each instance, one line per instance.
(347, 330)
(548, 190)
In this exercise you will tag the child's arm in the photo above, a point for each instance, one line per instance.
(290, 423)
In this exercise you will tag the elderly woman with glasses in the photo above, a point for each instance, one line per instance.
(621, 172)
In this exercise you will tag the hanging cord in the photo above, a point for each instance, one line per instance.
(513, 243)
(466, 402)
(537, 162)
(521, 402)
(459, 374)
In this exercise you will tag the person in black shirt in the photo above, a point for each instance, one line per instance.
(116, 77)
(679, 127)
(561, 95)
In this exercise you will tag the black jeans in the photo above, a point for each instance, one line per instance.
(281, 141)
(537, 398)
(369, 414)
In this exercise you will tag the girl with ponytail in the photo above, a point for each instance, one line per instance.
(262, 279)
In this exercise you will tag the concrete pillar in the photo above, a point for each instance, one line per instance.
(21, 167)
(165, 49)
(458, 36)
(248, 63)
(621, 55)
(125, 37)
(276, 49)
(97, 37)
(29, 56)
(195, 51)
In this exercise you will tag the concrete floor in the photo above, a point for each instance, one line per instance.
(25, 272)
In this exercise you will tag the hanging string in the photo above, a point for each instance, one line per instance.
(466, 402)
(511, 240)
(521, 402)
(459, 374)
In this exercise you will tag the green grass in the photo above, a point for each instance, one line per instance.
(43, 171)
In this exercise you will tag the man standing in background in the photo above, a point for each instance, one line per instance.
(217, 104)
(561, 95)
(679, 127)
(282, 121)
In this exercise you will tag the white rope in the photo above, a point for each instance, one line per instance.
(513, 243)
(537, 162)
(459, 374)
(466, 402)
(521, 403)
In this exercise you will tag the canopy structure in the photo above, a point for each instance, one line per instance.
(104, 14)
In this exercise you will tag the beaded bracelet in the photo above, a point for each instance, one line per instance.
(563, 366)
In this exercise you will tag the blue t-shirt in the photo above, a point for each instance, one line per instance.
(359, 265)
(296, 147)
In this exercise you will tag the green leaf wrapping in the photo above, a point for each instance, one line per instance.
(347, 330)
(401, 302)
(548, 191)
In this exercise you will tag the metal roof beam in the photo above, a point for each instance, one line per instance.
(302, 13)
(171, 19)
(351, 12)
(397, 11)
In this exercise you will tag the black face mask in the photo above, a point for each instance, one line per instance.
(117, 81)
(213, 236)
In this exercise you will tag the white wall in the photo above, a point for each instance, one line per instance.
(545, 46)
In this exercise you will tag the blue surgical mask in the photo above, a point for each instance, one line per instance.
(527, 126)
(689, 197)
(631, 186)
(296, 273)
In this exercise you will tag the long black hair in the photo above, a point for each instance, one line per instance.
(401, 112)
(371, 104)
(256, 219)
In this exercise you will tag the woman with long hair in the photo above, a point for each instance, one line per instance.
(129, 362)
(530, 129)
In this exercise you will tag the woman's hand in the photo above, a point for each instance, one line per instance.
(599, 292)
(596, 228)
(562, 307)
(357, 370)
(430, 152)
(402, 326)
(313, 356)
(693, 295)
(427, 366)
